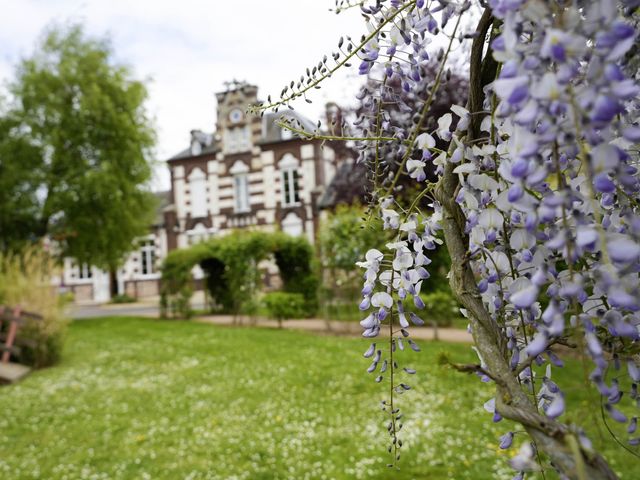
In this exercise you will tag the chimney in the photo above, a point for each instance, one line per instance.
(333, 116)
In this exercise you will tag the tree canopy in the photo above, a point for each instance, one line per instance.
(75, 151)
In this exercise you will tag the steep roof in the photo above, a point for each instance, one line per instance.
(186, 153)
(272, 132)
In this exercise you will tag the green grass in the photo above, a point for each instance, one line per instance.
(138, 398)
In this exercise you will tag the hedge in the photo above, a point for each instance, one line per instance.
(231, 273)
(284, 306)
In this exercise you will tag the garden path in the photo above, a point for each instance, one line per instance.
(334, 327)
(150, 308)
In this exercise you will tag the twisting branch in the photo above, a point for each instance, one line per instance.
(477, 80)
(474, 368)
(328, 72)
(424, 111)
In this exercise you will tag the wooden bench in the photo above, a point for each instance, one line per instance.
(11, 319)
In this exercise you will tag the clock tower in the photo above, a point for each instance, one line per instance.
(238, 131)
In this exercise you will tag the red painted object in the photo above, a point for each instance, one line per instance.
(14, 318)
(11, 335)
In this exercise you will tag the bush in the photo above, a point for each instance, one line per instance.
(232, 277)
(342, 242)
(25, 281)
(40, 343)
(122, 298)
(440, 307)
(177, 305)
(66, 297)
(284, 306)
(438, 269)
(298, 270)
(343, 239)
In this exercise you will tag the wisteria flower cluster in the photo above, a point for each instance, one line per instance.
(536, 198)
(390, 281)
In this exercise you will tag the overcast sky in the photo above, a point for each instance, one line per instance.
(188, 48)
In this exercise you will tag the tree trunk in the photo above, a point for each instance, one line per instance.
(551, 437)
(113, 282)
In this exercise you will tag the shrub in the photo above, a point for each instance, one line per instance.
(232, 277)
(122, 298)
(440, 307)
(66, 297)
(295, 259)
(284, 306)
(343, 240)
(25, 281)
(177, 304)
(40, 343)
(439, 269)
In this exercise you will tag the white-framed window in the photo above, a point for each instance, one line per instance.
(241, 196)
(237, 139)
(147, 257)
(289, 180)
(198, 193)
(84, 271)
(286, 134)
(241, 192)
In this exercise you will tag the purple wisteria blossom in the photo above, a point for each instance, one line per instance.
(549, 194)
(537, 199)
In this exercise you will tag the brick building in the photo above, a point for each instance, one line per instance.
(248, 173)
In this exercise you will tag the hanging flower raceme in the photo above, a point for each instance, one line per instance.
(392, 284)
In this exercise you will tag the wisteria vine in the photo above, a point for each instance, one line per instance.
(537, 200)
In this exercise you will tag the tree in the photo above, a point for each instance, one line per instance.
(343, 239)
(537, 199)
(19, 209)
(354, 182)
(75, 151)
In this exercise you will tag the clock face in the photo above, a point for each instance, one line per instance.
(235, 115)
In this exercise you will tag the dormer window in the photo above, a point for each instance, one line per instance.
(199, 140)
(241, 197)
(286, 134)
(196, 148)
(289, 181)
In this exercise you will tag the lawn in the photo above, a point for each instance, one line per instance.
(147, 399)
